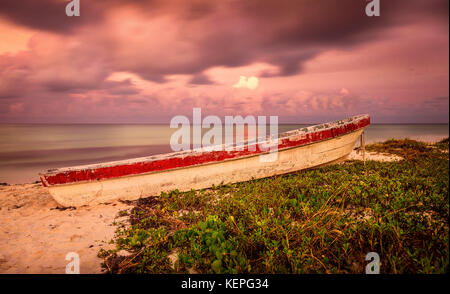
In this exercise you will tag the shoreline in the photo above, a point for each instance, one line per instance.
(14, 171)
(351, 156)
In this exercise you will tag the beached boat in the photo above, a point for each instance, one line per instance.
(202, 168)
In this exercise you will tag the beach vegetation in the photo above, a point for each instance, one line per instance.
(322, 220)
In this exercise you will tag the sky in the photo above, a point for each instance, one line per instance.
(146, 61)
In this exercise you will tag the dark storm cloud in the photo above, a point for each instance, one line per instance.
(50, 15)
(201, 79)
(42, 15)
(285, 33)
(121, 88)
(288, 33)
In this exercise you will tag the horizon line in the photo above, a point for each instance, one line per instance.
(166, 124)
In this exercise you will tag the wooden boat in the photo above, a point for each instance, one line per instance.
(196, 169)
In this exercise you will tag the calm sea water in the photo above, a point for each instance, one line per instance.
(26, 150)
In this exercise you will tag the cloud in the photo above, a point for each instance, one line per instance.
(201, 79)
(170, 49)
(16, 107)
(438, 102)
(249, 83)
(198, 35)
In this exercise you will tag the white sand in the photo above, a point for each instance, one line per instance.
(35, 237)
(385, 157)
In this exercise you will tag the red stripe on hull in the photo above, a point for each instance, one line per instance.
(191, 160)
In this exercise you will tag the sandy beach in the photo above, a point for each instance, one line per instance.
(36, 235)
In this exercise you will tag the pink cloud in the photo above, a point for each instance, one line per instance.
(16, 108)
(312, 61)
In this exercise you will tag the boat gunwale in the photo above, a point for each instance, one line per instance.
(202, 164)
(292, 135)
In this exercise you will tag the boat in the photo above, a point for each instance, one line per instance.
(132, 179)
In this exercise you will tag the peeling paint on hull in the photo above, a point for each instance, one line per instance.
(141, 177)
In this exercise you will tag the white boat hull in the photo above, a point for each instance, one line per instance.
(206, 175)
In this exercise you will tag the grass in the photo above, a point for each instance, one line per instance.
(322, 220)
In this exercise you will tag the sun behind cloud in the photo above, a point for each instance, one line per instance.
(244, 82)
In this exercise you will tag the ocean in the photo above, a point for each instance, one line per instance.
(27, 149)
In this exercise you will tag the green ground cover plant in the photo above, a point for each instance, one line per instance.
(322, 220)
